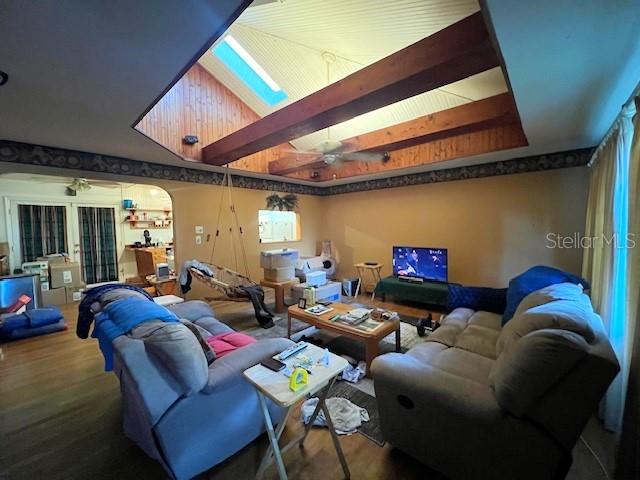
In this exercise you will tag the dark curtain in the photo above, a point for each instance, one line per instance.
(98, 244)
(43, 230)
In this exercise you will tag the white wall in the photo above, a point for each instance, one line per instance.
(36, 188)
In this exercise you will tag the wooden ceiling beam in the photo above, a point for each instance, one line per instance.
(467, 118)
(493, 139)
(452, 54)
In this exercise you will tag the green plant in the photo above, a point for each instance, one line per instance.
(288, 202)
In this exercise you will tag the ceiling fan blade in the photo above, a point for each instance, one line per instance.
(364, 157)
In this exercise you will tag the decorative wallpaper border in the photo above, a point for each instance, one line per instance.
(536, 163)
(27, 154)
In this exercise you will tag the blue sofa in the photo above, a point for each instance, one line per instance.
(190, 433)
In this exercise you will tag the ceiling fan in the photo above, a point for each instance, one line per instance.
(332, 151)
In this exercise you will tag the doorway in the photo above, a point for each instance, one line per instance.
(99, 227)
(97, 244)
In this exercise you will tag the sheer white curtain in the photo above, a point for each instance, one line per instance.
(628, 464)
(606, 264)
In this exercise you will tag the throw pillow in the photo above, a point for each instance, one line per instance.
(477, 298)
(534, 279)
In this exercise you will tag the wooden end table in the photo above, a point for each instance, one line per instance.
(374, 270)
(275, 386)
(279, 288)
(371, 339)
(164, 285)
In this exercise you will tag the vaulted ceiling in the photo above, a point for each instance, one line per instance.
(288, 40)
(80, 76)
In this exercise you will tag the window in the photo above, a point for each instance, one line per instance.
(240, 62)
(275, 226)
(43, 230)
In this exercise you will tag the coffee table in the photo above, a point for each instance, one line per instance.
(275, 386)
(370, 339)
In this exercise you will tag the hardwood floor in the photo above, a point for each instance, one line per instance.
(60, 418)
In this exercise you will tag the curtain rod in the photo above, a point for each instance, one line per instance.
(635, 93)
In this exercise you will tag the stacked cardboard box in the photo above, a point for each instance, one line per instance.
(67, 277)
(279, 265)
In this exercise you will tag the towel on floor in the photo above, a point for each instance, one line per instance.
(345, 415)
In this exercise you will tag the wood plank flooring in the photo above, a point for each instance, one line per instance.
(60, 418)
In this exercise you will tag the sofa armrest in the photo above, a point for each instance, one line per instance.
(423, 386)
(152, 384)
(229, 368)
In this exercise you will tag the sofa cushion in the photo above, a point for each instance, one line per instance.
(574, 316)
(475, 332)
(533, 365)
(558, 291)
(477, 298)
(178, 350)
(534, 279)
(479, 340)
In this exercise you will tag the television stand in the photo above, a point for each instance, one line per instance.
(411, 279)
(433, 294)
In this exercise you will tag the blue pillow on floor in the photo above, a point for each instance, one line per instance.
(477, 298)
(534, 279)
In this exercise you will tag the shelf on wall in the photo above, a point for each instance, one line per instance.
(148, 209)
(146, 227)
(147, 220)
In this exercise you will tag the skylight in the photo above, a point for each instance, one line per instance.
(240, 62)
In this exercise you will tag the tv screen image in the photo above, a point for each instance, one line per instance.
(426, 263)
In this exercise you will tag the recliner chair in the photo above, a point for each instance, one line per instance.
(482, 401)
(190, 430)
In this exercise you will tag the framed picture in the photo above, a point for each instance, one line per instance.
(302, 303)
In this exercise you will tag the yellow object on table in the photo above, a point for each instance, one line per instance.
(298, 379)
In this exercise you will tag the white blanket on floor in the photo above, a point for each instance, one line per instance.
(345, 415)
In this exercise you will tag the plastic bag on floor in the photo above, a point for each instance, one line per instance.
(346, 416)
(354, 374)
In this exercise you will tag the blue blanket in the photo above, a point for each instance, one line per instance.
(120, 317)
(85, 314)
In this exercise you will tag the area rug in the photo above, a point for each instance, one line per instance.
(370, 429)
(246, 323)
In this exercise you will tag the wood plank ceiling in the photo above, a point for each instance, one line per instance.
(416, 131)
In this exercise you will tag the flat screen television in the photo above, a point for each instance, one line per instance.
(419, 262)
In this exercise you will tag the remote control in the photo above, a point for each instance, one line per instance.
(291, 351)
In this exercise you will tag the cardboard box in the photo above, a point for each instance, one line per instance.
(65, 275)
(279, 274)
(55, 258)
(74, 294)
(54, 296)
(316, 279)
(331, 291)
(4, 258)
(282, 258)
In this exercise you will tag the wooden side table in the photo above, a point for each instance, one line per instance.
(279, 288)
(374, 270)
(164, 286)
(275, 386)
